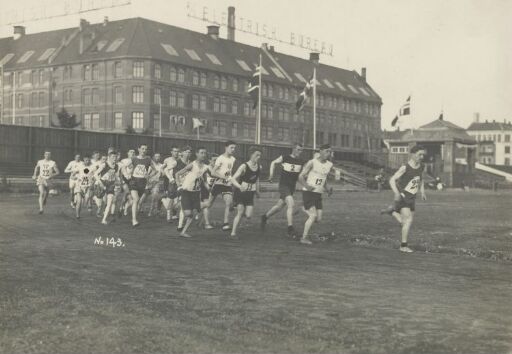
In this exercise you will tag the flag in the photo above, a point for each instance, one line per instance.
(197, 123)
(405, 110)
(304, 95)
(254, 87)
(395, 120)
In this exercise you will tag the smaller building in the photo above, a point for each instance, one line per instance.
(451, 152)
(492, 135)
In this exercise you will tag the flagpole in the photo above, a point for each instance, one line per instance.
(258, 128)
(14, 97)
(198, 132)
(160, 113)
(314, 107)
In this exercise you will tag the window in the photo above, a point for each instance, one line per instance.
(138, 120)
(181, 100)
(286, 115)
(234, 129)
(222, 128)
(95, 72)
(95, 96)
(507, 161)
(507, 149)
(158, 71)
(118, 95)
(157, 96)
(213, 59)
(6, 58)
(118, 120)
(118, 69)
(270, 112)
(223, 83)
(87, 121)
(280, 114)
(46, 54)
(202, 103)
(181, 75)
(264, 89)
(327, 83)
(364, 91)
(169, 49)
(234, 107)
(95, 120)
(195, 78)
(247, 109)
(270, 90)
(101, 44)
(25, 56)
(499, 138)
(216, 82)
(87, 72)
(340, 86)
(280, 92)
(223, 105)
(138, 94)
(243, 65)
(156, 122)
(246, 131)
(86, 97)
(172, 98)
(300, 77)
(286, 94)
(235, 84)
(172, 74)
(215, 130)
(19, 100)
(192, 54)
(277, 72)
(203, 80)
(352, 88)
(41, 100)
(115, 45)
(195, 102)
(138, 69)
(216, 104)
(507, 138)
(33, 100)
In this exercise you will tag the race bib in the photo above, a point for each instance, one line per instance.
(247, 187)
(139, 171)
(412, 186)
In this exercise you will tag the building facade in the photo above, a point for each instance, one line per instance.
(155, 78)
(494, 140)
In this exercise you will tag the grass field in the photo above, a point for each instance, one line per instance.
(61, 293)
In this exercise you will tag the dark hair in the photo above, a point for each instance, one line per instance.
(200, 148)
(253, 149)
(229, 142)
(187, 147)
(86, 157)
(113, 152)
(143, 144)
(416, 148)
(325, 147)
(212, 155)
(174, 147)
(95, 152)
(297, 144)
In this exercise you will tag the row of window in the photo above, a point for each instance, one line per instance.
(36, 99)
(493, 137)
(36, 77)
(32, 120)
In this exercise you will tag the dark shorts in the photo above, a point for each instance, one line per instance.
(98, 190)
(205, 193)
(312, 199)
(124, 180)
(221, 189)
(109, 187)
(243, 198)
(286, 190)
(409, 201)
(138, 184)
(190, 200)
(171, 190)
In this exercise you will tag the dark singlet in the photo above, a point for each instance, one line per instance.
(291, 168)
(140, 166)
(409, 182)
(180, 165)
(111, 171)
(249, 178)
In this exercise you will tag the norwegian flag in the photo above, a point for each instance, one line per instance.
(304, 95)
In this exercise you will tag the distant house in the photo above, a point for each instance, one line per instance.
(494, 140)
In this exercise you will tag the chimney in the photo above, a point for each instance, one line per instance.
(83, 24)
(86, 36)
(271, 49)
(213, 31)
(314, 57)
(494, 120)
(477, 117)
(264, 46)
(19, 31)
(105, 20)
(231, 23)
(363, 74)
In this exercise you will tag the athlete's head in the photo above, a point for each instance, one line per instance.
(87, 160)
(131, 153)
(175, 151)
(186, 152)
(47, 154)
(418, 153)
(143, 149)
(201, 154)
(255, 153)
(213, 158)
(110, 149)
(112, 156)
(157, 157)
(325, 152)
(297, 149)
(95, 155)
(229, 147)
(77, 157)
(103, 158)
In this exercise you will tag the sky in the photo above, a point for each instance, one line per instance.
(452, 56)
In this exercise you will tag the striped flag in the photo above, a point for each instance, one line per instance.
(405, 110)
(254, 87)
(304, 95)
(197, 123)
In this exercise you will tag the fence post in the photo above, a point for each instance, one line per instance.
(117, 141)
(154, 144)
(29, 152)
(75, 142)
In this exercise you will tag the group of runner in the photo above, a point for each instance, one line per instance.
(188, 188)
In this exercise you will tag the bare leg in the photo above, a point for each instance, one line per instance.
(307, 225)
(110, 198)
(275, 209)
(78, 204)
(238, 217)
(290, 203)
(42, 197)
(188, 216)
(135, 204)
(228, 200)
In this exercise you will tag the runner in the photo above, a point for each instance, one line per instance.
(44, 171)
(82, 188)
(205, 191)
(246, 182)
(126, 174)
(222, 170)
(107, 174)
(405, 184)
(155, 185)
(313, 177)
(181, 163)
(170, 186)
(72, 165)
(192, 176)
(291, 168)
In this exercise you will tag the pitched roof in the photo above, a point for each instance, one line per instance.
(438, 131)
(503, 168)
(143, 38)
(490, 126)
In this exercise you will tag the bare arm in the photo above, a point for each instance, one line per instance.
(393, 179)
(183, 171)
(302, 177)
(68, 168)
(237, 175)
(422, 187)
(273, 166)
(35, 171)
(98, 170)
(55, 171)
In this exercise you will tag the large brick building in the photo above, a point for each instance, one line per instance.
(119, 74)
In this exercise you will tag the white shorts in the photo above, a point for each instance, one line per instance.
(45, 182)
(72, 183)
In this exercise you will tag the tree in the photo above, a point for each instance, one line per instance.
(66, 120)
